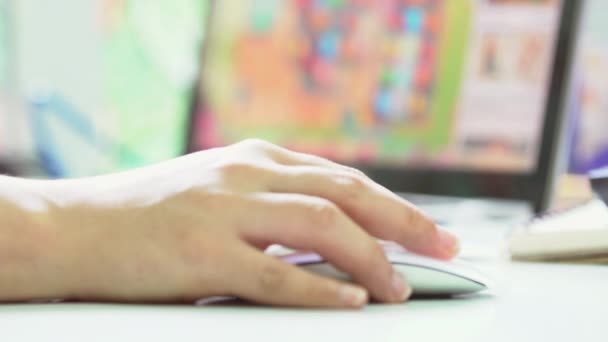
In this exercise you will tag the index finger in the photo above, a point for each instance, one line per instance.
(376, 209)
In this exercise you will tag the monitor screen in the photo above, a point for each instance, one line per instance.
(4, 54)
(422, 84)
(6, 91)
(589, 105)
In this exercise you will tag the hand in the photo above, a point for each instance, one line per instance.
(197, 226)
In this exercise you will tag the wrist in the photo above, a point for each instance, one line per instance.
(72, 224)
(33, 247)
(87, 219)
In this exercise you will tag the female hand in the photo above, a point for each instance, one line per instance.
(197, 226)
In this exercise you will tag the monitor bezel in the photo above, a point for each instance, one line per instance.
(535, 187)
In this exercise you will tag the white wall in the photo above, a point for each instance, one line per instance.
(66, 46)
(59, 47)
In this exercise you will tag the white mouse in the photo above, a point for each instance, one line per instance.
(426, 276)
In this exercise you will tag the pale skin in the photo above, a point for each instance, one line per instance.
(197, 226)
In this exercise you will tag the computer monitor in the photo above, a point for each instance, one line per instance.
(6, 77)
(451, 97)
(589, 106)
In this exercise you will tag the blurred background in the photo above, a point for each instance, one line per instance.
(95, 86)
(89, 87)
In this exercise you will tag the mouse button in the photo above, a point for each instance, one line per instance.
(454, 266)
(407, 258)
(432, 282)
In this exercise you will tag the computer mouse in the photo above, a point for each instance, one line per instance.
(426, 276)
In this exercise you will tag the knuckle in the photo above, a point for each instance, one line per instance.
(377, 258)
(409, 218)
(272, 278)
(355, 172)
(431, 232)
(323, 214)
(351, 186)
(241, 176)
(418, 225)
(257, 143)
(375, 252)
(239, 169)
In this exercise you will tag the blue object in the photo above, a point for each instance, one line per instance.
(577, 162)
(413, 20)
(382, 104)
(328, 45)
(45, 107)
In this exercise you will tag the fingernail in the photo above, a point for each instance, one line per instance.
(449, 242)
(353, 296)
(400, 288)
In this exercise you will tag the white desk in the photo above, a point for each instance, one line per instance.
(535, 302)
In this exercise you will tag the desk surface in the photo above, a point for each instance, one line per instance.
(532, 302)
